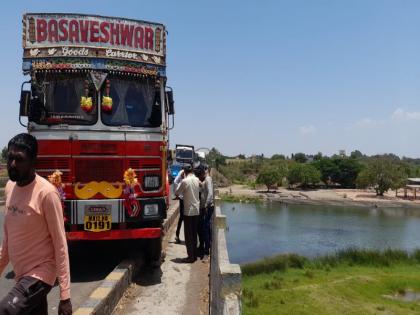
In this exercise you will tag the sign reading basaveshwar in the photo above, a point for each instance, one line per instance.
(74, 35)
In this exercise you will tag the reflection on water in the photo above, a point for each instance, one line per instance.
(257, 231)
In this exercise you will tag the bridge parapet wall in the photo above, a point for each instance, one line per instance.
(225, 278)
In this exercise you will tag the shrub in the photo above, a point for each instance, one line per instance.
(250, 299)
(310, 274)
(416, 255)
(276, 263)
(350, 256)
(272, 284)
(373, 257)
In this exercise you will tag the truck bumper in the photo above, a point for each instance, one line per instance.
(75, 210)
(114, 234)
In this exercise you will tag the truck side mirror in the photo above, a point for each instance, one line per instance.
(25, 100)
(170, 99)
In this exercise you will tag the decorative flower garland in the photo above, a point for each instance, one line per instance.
(86, 101)
(106, 99)
(55, 179)
(130, 202)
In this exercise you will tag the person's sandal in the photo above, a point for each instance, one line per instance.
(177, 240)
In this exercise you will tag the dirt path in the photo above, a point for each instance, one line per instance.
(175, 288)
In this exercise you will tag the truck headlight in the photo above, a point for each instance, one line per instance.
(151, 182)
(151, 209)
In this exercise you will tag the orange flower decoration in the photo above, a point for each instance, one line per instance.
(130, 177)
(55, 178)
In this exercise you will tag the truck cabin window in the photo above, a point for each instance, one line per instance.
(58, 100)
(184, 154)
(135, 102)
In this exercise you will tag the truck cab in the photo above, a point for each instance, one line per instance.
(99, 105)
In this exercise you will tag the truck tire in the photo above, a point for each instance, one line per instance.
(154, 251)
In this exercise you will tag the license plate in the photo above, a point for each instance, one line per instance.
(97, 209)
(98, 223)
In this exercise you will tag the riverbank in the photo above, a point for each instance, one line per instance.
(332, 197)
(353, 282)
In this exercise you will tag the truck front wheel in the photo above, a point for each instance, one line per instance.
(154, 251)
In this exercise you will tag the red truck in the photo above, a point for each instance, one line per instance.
(100, 108)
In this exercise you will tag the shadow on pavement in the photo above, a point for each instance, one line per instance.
(181, 260)
(94, 260)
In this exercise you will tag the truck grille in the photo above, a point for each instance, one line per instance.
(110, 170)
(52, 163)
(141, 164)
(46, 166)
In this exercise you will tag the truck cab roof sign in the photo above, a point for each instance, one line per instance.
(75, 35)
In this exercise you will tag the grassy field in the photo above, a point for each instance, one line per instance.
(351, 282)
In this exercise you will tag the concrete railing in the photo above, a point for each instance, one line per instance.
(225, 278)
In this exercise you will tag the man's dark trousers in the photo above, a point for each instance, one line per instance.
(181, 217)
(200, 231)
(190, 231)
(207, 230)
(27, 297)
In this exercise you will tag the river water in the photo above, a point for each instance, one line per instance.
(260, 230)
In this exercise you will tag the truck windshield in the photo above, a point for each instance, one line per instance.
(184, 154)
(135, 102)
(60, 97)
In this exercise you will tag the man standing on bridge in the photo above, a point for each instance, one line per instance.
(207, 207)
(34, 240)
(177, 181)
(189, 188)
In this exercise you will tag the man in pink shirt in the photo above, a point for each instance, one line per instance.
(34, 240)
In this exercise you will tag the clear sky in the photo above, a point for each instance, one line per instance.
(268, 76)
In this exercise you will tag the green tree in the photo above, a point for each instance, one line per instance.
(382, 173)
(328, 169)
(4, 154)
(268, 176)
(282, 168)
(318, 156)
(348, 169)
(215, 158)
(415, 171)
(278, 157)
(356, 154)
(272, 173)
(303, 174)
(300, 157)
(338, 170)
